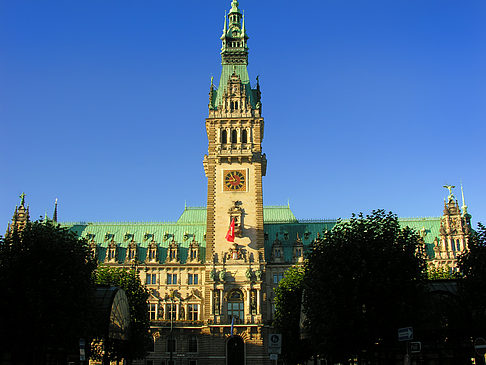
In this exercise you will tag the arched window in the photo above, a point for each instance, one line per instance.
(236, 306)
(234, 136)
(244, 136)
(224, 136)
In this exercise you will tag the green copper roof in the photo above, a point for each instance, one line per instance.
(142, 234)
(193, 215)
(279, 221)
(278, 214)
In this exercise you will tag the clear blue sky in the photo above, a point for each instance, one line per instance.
(367, 104)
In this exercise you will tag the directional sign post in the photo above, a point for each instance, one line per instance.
(405, 334)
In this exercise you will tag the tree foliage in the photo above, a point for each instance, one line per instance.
(363, 282)
(137, 295)
(441, 273)
(288, 308)
(46, 285)
(472, 265)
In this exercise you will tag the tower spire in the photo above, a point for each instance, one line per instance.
(464, 206)
(54, 216)
(225, 26)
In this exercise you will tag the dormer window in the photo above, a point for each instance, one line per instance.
(131, 252)
(172, 252)
(111, 253)
(278, 253)
(193, 254)
(152, 252)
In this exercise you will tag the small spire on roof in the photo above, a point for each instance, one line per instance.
(464, 206)
(225, 24)
(243, 25)
(54, 215)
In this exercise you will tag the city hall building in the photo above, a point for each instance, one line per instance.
(212, 300)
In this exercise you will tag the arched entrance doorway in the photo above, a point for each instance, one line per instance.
(235, 351)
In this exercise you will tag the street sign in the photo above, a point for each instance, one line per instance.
(405, 334)
(480, 346)
(415, 347)
(275, 343)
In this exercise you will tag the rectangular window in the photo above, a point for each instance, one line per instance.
(150, 279)
(172, 254)
(171, 279)
(152, 254)
(131, 254)
(170, 312)
(193, 279)
(193, 311)
(111, 253)
(152, 307)
(277, 278)
(193, 254)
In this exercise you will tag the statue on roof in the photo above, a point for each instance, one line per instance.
(22, 199)
(450, 187)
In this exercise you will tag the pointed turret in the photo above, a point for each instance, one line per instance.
(20, 217)
(464, 206)
(54, 216)
(234, 58)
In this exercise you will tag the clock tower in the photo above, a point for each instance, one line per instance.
(234, 167)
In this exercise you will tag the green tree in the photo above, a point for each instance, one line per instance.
(363, 282)
(46, 285)
(137, 295)
(288, 308)
(472, 265)
(441, 273)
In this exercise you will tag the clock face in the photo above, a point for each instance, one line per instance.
(235, 180)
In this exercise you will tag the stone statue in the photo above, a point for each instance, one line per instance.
(258, 274)
(450, 187)
(222, 274)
